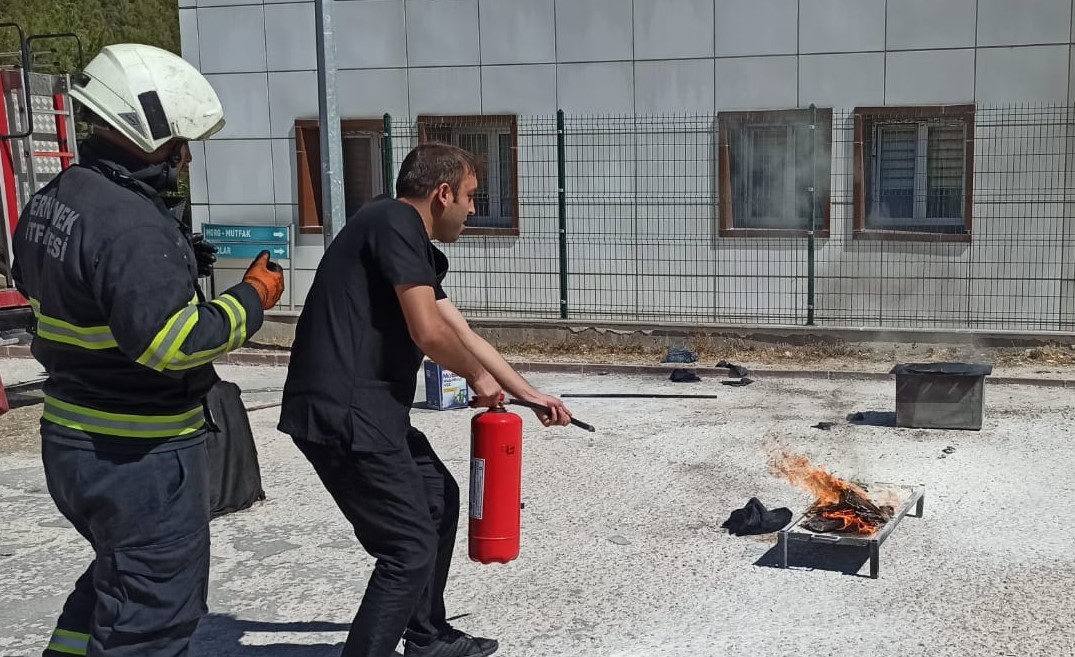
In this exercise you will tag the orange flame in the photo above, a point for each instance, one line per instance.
(828, 490)
(852, 522)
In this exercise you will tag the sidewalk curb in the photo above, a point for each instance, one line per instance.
(610, 368)
(282, 358)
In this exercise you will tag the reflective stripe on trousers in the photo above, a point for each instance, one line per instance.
(68, 642)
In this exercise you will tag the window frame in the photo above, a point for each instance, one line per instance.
(489, 123)
(728, 121)
(308, 178)
(866, 120)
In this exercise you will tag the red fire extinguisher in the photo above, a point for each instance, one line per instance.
(3, 399)
(496, 469)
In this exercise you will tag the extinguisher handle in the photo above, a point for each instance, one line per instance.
(542, 407)
(499, 403)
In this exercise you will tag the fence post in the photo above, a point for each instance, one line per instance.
(386, 153)
(561, 186)
(813, 218)
(333, 210)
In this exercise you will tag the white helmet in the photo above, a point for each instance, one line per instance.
(149, 95)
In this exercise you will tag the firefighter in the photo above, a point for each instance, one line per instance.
(128, 342)
(375, 306)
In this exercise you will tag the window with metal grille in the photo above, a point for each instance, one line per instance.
(363, 175)
(914, 171)
(493, 140)
(769, 163)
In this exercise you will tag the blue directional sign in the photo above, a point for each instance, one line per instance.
(250, 251)
(246, 242)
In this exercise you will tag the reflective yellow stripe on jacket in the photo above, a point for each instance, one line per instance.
(57, 330)
(165, 350)
(68, 642)
(124, 425)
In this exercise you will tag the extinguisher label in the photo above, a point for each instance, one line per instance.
(477, 487)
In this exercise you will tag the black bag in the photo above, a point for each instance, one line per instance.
(234, 474)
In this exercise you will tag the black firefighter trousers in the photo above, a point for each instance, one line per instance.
(147, 517)
(404, 507)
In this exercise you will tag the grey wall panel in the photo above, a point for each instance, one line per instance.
(841, 25)
(931, 24)
(199, 192)
(290, 38)
(245, 97)
(667, 29)
(372, 92)
(285, 182)
(517, 31)
(232, 39)
(455, 90)
(292, 96)
(1020, 75)
(590, 88)
(370, 34)
(188, 36)
(245, 215)
(744, 83)
(681, 85)
(948, 78)
(239, 171)
(594, 30)
(442, 32)
(526, 89)
(759, 27)
(1018, 22)
(842, 80)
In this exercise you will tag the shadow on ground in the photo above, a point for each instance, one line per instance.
(873, 418)
(221, 635)
(836, 558)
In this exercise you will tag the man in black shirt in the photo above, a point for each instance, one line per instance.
(375, 307)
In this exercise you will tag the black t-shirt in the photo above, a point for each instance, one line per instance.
(353, 363)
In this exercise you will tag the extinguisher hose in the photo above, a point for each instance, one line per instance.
(542, 407)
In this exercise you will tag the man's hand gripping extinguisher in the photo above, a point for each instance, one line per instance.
(496, 469)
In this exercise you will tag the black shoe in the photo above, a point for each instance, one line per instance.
(452, 644)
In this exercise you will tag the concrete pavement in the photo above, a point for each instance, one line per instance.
(623, 553)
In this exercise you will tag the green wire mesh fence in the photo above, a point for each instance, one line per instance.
(937, 216)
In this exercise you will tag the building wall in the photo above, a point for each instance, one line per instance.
(632, 57)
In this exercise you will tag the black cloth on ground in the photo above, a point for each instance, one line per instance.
(754, 519)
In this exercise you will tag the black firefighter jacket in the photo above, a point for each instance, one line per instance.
(122, 330)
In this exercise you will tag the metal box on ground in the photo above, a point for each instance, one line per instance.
(940, 395)
(445, 389)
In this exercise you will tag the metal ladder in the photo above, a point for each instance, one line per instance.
(45, 147)
(37, 128)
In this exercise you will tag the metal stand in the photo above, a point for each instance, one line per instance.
(916, 500)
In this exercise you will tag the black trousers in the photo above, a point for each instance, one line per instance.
(147, 518)
(404, 507)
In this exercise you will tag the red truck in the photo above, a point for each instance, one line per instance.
(37, 141)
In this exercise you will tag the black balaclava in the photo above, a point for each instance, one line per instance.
(99, 153)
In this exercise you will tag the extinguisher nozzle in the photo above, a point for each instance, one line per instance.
(540, 407)
(583, 425)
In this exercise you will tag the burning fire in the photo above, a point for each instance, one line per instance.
(839, 506)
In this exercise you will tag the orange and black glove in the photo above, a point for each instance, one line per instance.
(267, 279)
